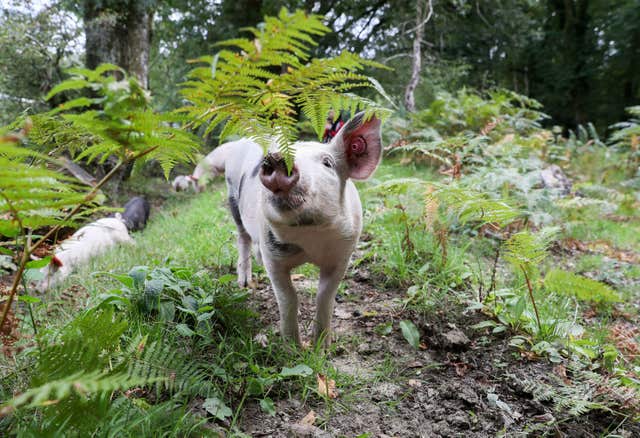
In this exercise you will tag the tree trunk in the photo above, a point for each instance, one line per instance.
(119, 34)
(423, 14)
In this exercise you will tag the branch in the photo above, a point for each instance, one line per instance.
(426, 20)
(409, 100)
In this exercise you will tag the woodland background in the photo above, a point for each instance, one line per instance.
(579, 58)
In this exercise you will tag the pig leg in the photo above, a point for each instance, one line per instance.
(244, 258)
(258, 254)
(287, 300)
(327, 289)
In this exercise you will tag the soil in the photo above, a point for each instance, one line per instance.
(459, 383)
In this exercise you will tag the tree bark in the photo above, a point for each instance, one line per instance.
(119, 34)
(423, 15)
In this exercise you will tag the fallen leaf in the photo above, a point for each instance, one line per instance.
(308, 419)
(342, 314)
(327, 387)
(561, 371)
(461, 368)
(529, 355)
(624, 336)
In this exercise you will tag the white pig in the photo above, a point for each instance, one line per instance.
(209, 167)
(89, 241)
(183, 183)
(312, 215)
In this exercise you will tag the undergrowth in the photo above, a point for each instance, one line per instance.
(490, 234)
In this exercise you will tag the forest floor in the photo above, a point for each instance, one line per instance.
(458, 383)
(461, 380)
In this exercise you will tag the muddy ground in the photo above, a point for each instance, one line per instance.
(461, 383)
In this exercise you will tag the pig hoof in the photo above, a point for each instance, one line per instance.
(247, 282)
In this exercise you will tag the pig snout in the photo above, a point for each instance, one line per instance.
(274, 175)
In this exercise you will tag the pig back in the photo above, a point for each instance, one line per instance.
(241, 173)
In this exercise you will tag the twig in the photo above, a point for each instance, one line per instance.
(495, 268)
(426, 20)
(533, 301)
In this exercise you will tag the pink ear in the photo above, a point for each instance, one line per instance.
(360, 144)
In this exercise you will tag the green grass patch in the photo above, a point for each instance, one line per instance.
(625, 235)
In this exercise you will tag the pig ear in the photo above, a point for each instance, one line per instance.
(359, 144)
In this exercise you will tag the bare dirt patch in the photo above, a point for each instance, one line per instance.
(462, 383)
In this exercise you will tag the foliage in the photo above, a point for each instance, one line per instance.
(526, 251)
(34, 196)
(625, 134)
(587, 391)
(195, 302)
(122, 123)
(35, 48)
(257, 88)
(77, 370)
(583, 288)
(468, 110)
(125, 124)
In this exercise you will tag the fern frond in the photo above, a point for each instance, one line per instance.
(124, 124)
(80, 384)
(583, 288)
(239, 88)
(526, 250)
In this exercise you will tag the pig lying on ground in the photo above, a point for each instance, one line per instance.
(94, 239)
(312, 215)
(135, 214)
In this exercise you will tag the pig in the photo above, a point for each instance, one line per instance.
(89, 241)
(183, 183)
(207, 168)
(311, 215)
(135, 214)
(554, 178)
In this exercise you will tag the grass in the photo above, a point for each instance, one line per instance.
(625, 235)
(195, 236)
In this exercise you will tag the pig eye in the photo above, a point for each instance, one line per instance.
(327, 162)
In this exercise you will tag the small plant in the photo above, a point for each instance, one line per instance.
(77, 371)
(586, 391)
(626, 138)
(525, 252)
(197, 303)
